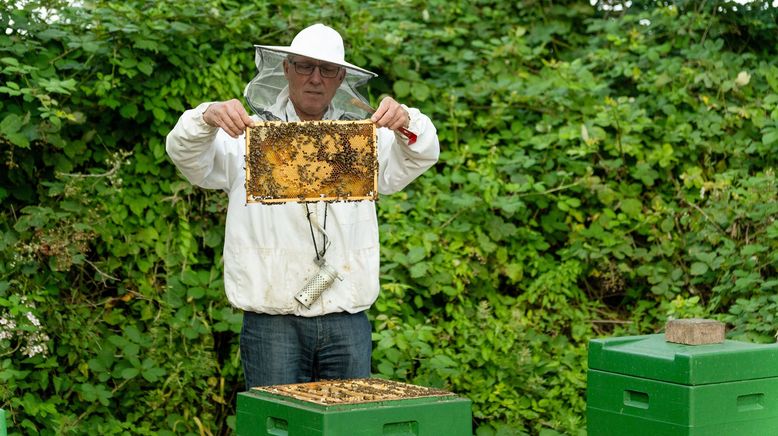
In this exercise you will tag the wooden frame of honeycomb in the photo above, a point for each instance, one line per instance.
(311, 161)
(353, 391)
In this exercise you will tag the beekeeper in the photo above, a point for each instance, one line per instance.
(272, 251)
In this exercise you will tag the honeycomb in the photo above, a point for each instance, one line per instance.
(310, 161)
(353, 391)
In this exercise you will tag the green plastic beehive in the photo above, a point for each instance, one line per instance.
(643, 385)
(265, 412)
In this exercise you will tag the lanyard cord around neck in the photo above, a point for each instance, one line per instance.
(319, 255)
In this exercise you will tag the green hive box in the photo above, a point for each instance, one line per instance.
(359, 407)
(642, 385)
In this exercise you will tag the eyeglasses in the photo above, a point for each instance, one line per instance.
(306, 69)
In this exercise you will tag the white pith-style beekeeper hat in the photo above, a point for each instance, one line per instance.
(318, 42)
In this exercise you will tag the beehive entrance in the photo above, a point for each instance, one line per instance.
(311, 161)
(353, 391)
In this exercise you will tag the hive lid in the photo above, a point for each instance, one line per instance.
(651, 357)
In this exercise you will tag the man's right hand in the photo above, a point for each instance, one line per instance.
(230, 115)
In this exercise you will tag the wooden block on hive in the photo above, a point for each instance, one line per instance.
(311, 161)
(694, 331)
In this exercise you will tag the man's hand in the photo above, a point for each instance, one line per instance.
(391, 114)
(229, 115)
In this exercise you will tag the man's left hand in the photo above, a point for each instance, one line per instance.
(391, 114)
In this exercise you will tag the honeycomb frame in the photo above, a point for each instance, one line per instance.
(352, 391)
(309, 161)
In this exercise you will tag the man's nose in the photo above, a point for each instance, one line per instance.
(316, 75)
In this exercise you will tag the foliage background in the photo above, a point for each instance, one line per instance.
(603, 169)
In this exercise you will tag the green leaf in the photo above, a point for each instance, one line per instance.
(632, 207)
(401, 88)
(416, 254)
(645, 174)
(132, 333)
(128, 373)
(385, 368)
(11, 124)
(131, 350)
(146, 67)
(698, 268)
(751, 249)
(420, 91)
(770, 136)
(89, 392)
(150, 371)
(129, 110)
(442, 361)
(419, 269)
(159, 113)
(146, 44)
(196, 292)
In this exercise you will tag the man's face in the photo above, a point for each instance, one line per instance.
(311, 93)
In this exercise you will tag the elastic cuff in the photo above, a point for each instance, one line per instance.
(200, 111)
(414, 124)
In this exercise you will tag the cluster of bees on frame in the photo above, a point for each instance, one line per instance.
(311, 161)
(354, 391)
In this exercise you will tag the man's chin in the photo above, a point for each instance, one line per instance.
(315, 110)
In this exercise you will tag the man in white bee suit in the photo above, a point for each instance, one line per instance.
(272, 251)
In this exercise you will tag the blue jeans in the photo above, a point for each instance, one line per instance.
(282, 349)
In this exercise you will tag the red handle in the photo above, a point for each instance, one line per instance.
(364, 106)
(408, 134)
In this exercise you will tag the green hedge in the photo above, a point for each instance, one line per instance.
(601, 171)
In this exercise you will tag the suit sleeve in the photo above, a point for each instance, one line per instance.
(400, 163)
(207, 156)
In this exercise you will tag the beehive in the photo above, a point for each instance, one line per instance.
(643, 385)
(311, 161)
(362, 407)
